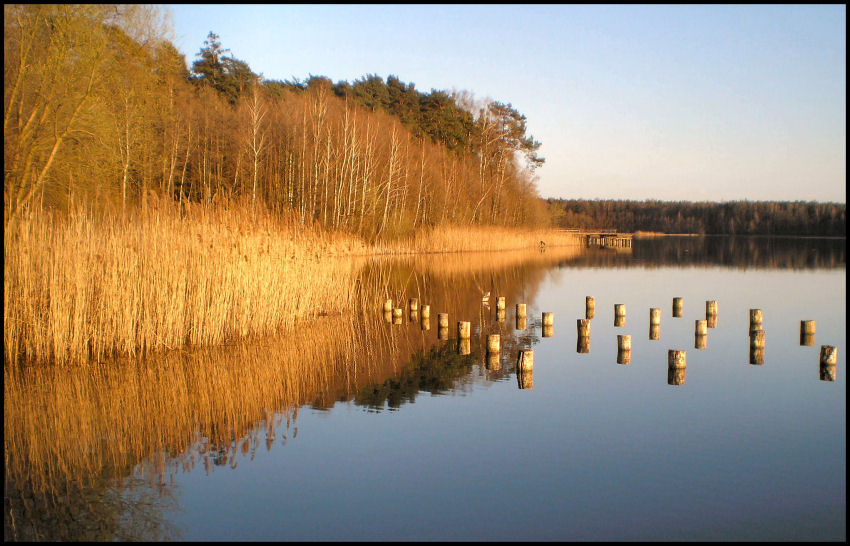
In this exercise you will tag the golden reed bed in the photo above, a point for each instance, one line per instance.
(80, 288)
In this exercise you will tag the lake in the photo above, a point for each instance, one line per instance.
(362, 427)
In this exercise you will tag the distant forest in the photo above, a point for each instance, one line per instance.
(100, 108)
(726, 218)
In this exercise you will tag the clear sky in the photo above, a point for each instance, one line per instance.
(692, 102)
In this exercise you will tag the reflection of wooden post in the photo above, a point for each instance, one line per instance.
(520, 310)
(388, 315)
(493, 362)
(521, 322)
(442, 332)
(711, 321)
(827, 372)
(397, 315)
(755, 319)
(807, 332)
(548, 331)
(463, 329)
(443, 320)
(654, 315)
(700, 327)
(388, 305)
(425, 323)
(677, 307)
(757, 339)
(624, 357)
(711, 308)
(525, 380)
(676, 376)
(654, 332)
(426, 311)
(414, 315)
(676, 359)
(583, 326)
(619, 320)
(500, 303)
(414, 304)
(525, 360)
(828, 355)
(500, 315)
(589, 307)
(624, 342)
(700, 341)
(756, 356)
(583, 344)
(464, 346)
(494, 343)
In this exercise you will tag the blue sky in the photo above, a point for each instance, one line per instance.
(695, 103)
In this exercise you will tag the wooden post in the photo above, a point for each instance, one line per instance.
(677, 307)
(463, 329)
(548, 319)
(397, 315)
(711, 308)
(388, 305)
(583, 344)
(827, 372)
(676, 359)
(443, 320)
(654, 315)
(525, 380)
(548, 331)
(521, 322)
(756, 317)
(500, 315)
(426, 311)
(701, 327)
(464, 346)
(700, 341)
(493, 343)
(583, 326)
(619, 320)
(756, 356)
(807, 333)
(711, 321)
(500, 303)
(388, 315)
(620, 309)
(624, 357)
(589, 307)
(425, 323)
(828, 355)
(414, 315)
(493, 362)
(624, 342)
(520, 310)
(414, 304)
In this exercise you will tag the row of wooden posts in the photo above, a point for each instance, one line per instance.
(676, 359)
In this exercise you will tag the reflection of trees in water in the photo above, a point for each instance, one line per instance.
(130, 426)
(739, 252)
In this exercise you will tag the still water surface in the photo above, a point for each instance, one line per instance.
(405, 438)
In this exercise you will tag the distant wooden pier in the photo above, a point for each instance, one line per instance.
(604, 238)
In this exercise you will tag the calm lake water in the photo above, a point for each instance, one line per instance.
(402, 436)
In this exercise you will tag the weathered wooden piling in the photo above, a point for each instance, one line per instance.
(388, 305)
(583, 326)
(548, 319)
(756, 318)
(700, 341)
(624, 356)
(464, 346)
(520, 310)
(464, 329)
(500, 315)
(619, 320)
(654, 332)
(525, 360)
(676, 358)
(548, 331)
(426, 311)
(589, 307)
(676, 376)
(442, 333)
(677, 307)
(757, 356)
(624, 342)
(701, 327)
(413, 303)
(711, 308)
(521, 322)
(807, 333)
(654, 315)
(494, 343)
(757, 339)
(397, 319)
(583, 344)
(828, 355)
(711, 321)
(619, 309)
(413, 315)
(443, 320)
(500, 303)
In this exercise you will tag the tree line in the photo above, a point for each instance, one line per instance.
(711, 218)
(100, 108)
